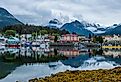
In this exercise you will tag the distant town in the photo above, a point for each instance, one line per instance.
(44, 39)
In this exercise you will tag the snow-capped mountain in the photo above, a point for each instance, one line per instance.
(7, 19)
(84, 28)
(86, 62)
(55, 23)
(114, 29)
(76, 27)
(94, 28)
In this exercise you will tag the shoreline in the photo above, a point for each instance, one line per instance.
(101, 75)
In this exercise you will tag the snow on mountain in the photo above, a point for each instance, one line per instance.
(55, 23)
(94, 28)
(64, 19)
(76, 27)
(115, 29)
(83, 27)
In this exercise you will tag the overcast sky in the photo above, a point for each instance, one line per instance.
(105, 12)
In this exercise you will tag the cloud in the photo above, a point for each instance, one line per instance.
(41, 11)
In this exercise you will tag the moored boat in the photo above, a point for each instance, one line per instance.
(13, 42)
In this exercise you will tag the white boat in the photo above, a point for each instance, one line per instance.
(13, 42)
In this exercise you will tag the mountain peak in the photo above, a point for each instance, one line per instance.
(55, 21)
(4, 11)
(7, 19)
(76, 21)
(1, 8)
(76, 27)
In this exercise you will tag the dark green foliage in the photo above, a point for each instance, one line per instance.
(10, 33)
(99, 52)
(90, 36)
(56, 38)
(34, 35)
(29, 29)
(98, 39)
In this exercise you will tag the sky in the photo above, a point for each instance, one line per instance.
(106, 12)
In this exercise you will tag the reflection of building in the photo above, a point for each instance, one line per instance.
(69, 53)
(112, 53)
(70, 38)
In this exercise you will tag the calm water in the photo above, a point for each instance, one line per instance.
(27, 63)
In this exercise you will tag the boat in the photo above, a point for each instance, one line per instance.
(13, 42)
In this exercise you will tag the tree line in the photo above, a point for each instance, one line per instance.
(31, 29)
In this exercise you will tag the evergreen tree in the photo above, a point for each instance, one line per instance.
(56, 38)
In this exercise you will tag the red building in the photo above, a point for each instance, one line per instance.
(70, 38)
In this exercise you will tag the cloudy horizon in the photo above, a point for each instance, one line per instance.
(106, 12)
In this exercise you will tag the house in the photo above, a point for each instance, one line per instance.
(51, 37)
(112, 38)
(25, 37)
(69, 38)
(43, 38)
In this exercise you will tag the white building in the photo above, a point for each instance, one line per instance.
(25, 37)
(112, 38)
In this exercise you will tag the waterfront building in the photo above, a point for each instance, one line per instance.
(69, 38)
(25, 37)
(112, 38)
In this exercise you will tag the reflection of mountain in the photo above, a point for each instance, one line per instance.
(85, 61)
(75, 62)
(69, 53)
(7, 68)
(54, 65)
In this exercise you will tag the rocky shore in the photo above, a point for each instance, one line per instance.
(112, 75)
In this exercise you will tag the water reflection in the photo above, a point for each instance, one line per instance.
(30, 62)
